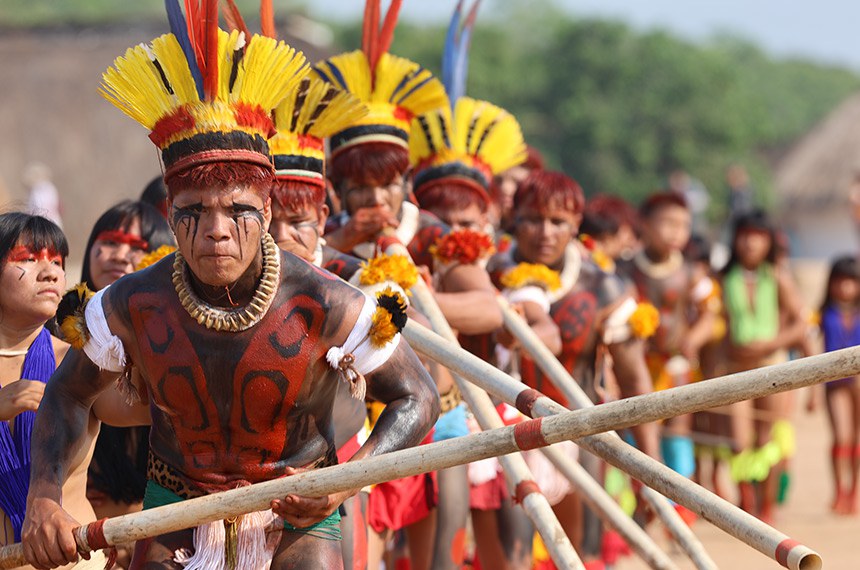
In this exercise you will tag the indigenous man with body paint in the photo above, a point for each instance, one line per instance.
(241, 346)
(592, 309)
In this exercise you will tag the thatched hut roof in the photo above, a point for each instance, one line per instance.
(819, 171)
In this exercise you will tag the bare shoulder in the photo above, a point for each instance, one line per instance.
(60, 349)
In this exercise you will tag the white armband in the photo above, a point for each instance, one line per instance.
(531, 293)
(358, 357)
(617, 327)
(103, 347)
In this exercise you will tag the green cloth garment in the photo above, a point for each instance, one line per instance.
(752, 323)
(326, 529)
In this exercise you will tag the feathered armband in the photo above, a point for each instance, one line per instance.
(70, 315)
(371, 342)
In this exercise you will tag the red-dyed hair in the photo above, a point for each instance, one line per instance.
(613, 208)
(534, 159)
(450, 195)
(655, 202)
(368, 164)
(548, 190)
(221, 174)
(295, 195)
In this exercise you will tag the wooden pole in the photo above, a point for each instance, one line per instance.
(577, 398)
(517, 474)
(652, 407)
(530, 434)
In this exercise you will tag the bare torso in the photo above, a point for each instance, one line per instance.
(230, 408)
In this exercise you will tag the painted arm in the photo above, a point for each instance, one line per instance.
(469, 300)
(412, 407)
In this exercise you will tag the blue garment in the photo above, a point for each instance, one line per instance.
(452, 424)
(39, 364)
(678, 454)
(836, 337)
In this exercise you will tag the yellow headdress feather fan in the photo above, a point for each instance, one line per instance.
(314, 111)
(481, 141)
(207, 96)
(478, 142)
(394, 89)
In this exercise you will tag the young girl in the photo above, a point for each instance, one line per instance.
(840, 325)
(765, 318)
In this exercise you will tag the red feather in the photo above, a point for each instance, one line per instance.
(367, 33)
(192, 18)
(387, 33)
(234, 18)
(210, 75)
(267, 19)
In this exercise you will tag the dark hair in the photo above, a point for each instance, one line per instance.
(758, 221)
(698, 249)
(155, 194)
(842, 267)
(659, 200)
(35, 232)
(153, 228)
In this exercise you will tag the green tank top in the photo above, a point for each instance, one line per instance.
(751, 323)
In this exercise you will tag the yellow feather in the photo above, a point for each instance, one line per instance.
(172, 60)
(478, 130)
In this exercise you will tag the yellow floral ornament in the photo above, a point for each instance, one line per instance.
(644, 320)
(389, 317)
(395, 268)
(536, 274)
(73, 325)
(154, 257)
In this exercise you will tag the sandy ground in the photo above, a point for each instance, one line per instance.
(805, 517)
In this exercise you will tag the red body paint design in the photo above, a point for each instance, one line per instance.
(236, 423)
(119, 236)
(576, 316)
(21, 253)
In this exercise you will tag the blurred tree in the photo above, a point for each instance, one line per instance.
(619, 110)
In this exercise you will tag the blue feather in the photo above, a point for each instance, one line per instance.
(461, 64)
(179, 29)
(449, 53)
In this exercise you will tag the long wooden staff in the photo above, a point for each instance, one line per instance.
(652, 407)
(517, 474)
(530, 434)
(577, 398)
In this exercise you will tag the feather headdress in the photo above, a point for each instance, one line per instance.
(394, 89)
(471, 142)
(205, 95)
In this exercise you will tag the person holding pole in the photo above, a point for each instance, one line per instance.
(240, 345)
(593, 311)
(663, 277)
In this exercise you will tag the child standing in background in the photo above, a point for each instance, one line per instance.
(840, 325)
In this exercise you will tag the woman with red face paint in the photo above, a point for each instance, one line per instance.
(119, 240)
(33, 251)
